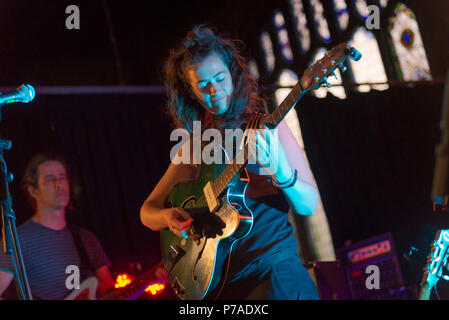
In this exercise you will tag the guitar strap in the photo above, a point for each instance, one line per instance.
(85, 262)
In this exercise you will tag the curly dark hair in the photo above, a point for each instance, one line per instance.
(182, 105)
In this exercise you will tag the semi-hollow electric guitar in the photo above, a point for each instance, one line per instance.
(197, 268)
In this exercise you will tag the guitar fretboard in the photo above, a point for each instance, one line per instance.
(280, 112)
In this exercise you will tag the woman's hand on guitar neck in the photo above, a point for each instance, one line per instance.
(178, 221)
(268, 151)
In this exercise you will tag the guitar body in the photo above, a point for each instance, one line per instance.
(197, 268)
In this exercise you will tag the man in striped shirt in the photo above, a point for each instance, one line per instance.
(48, 244)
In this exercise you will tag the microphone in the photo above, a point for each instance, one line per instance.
(25, 93)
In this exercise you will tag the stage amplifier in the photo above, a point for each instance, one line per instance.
(372, 269)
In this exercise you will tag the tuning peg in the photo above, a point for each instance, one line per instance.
(342, 67)
(355, 54)
(334, 75)
(326, 83)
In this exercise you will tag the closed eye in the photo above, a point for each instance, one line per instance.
(219, 77)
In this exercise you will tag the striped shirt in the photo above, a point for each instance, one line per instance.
(46, 255)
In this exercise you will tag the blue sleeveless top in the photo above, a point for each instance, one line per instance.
(271, 237)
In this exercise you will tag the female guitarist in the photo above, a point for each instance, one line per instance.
(208, 81)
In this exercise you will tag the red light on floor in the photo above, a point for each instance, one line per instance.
(123, 280)
(356, 273)
(155, 288)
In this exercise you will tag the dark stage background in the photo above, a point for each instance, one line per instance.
(372, 156)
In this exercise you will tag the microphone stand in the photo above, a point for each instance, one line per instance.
(11, 245)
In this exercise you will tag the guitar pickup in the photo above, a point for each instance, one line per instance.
(173, 257)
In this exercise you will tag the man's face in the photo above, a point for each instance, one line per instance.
(53, 190)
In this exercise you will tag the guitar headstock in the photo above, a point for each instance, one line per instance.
(318, 73)
(312, 79)
(437, 259)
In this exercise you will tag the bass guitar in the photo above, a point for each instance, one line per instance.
(197, 268)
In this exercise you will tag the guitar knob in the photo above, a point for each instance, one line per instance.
(343, 68)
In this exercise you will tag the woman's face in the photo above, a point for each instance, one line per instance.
(211, 83)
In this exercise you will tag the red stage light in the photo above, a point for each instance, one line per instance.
(356, 273)
(123, 280)
(155, 288)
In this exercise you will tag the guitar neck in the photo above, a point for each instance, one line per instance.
(274, 118)
(272, 121)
